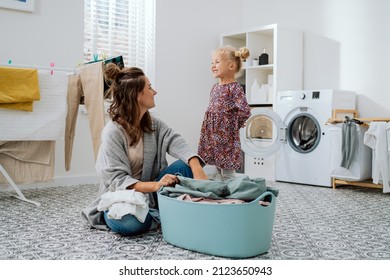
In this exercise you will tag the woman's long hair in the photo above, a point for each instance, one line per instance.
(125, 86)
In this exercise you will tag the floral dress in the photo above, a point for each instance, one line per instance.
(227, 112)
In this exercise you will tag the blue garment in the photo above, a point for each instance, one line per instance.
(129, 224)
(241, 187)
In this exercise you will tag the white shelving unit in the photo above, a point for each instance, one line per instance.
(284, 47)
(284, 71)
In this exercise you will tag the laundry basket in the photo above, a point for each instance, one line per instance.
(227, 230)
(360, 168)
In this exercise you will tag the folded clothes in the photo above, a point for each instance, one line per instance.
(19, 87)
(123, 202)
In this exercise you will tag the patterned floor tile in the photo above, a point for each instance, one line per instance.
(310, 223)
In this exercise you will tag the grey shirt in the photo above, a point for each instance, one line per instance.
(113, 165)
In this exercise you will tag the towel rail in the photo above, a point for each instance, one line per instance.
(365, 120)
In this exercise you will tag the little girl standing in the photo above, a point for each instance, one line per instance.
(227, 112)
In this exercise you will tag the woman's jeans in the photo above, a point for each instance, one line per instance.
(128, 224)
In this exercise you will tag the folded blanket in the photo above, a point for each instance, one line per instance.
(19, 87)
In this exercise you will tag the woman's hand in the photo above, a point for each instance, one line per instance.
(168, 180)
(148, 187)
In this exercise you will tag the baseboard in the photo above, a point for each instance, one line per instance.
(56, 182)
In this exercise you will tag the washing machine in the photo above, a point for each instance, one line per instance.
(296, 134)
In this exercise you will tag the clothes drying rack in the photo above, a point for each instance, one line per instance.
(15, 187)
(365, 183)
(20, 195)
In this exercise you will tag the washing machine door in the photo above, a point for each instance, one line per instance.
(263, 134)
(303, 132)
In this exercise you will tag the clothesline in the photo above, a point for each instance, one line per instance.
(39, 67)
(365, 120)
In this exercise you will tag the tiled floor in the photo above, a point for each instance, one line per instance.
(310, 223)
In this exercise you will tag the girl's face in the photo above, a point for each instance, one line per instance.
(146, 96)
(221, 66)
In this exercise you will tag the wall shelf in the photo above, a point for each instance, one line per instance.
(284, 47)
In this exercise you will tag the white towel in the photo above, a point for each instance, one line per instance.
(47, 121)
(388, 137)
(123, 202)
(376, 139)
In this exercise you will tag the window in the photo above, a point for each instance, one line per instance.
(121, 27)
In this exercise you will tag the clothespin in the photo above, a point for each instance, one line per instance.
(104, 56)
(95, 57)
(9, 61)
(51, 65)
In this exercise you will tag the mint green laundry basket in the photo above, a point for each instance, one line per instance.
(227, 230)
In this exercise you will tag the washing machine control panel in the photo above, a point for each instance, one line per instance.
(315, 95)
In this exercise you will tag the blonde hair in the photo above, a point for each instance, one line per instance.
(234, 54)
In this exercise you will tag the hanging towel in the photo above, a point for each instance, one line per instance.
(27, 161)
(376, 139)
(19, 87)
(388, 137)
(349, 143)
(47, 121)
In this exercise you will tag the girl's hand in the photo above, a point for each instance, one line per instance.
(197, 169)
(200, 174)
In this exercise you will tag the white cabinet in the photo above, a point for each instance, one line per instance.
(284, 47)
(284, 68)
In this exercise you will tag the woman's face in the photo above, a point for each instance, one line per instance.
(146, 96)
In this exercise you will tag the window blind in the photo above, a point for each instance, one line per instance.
(121, 27)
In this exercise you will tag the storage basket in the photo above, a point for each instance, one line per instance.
(360, 168)
(227, 230)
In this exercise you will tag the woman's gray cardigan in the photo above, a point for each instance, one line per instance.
(113, 166)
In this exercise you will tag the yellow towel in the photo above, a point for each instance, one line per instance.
(19, 87)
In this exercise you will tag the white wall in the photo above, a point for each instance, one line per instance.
(187, 32)
(354, 31)
(355, 44)
(52, 33)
